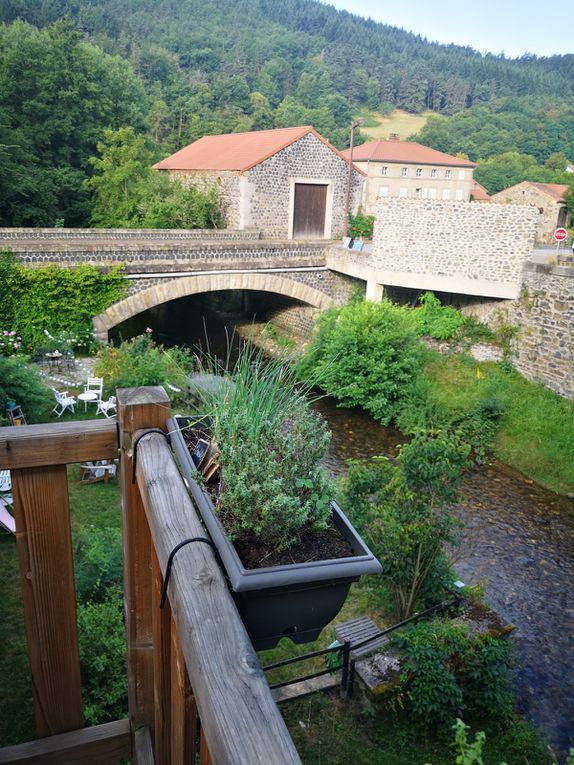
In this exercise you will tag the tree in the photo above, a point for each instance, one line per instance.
(365, 354)
(122, 180)
(403, 511)
(129, 193)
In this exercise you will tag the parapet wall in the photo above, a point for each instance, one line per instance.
(459, 247)
(544, 315)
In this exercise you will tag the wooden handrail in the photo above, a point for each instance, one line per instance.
(239, 718)
(57, 443)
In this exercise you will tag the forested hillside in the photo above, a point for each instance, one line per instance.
(175, 70)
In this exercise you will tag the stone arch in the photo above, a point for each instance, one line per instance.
(184, 286)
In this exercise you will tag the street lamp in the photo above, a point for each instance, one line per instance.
(356, 123)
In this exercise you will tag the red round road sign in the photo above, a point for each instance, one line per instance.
(560, 234)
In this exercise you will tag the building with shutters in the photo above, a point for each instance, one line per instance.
(287, 183)
(396, 168)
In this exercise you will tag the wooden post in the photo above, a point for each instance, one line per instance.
(138, 408)
(241, 722)
(162, 622)
(183, 709)
(44, 541)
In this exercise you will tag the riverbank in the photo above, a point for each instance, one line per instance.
(535, 433)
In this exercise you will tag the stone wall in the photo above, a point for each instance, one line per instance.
(14, 236)
(544, 316)
(458, 247)
(307, 158)
(168, 255)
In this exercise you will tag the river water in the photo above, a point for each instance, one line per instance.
(518, 539)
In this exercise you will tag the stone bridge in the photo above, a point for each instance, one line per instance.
(170, 264)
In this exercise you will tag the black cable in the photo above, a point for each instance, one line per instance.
(136, 443)
(170, 562)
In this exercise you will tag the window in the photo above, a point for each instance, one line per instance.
(433, 173)
(446, 194)
(447, 173)
(383, 191)
(460, 194)
(461, 175)
(418, 192)
(404, 171)
(419, 172)
(384, 170)
(403, 191)
(432, 193)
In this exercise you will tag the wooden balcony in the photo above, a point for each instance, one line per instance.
(190, 661)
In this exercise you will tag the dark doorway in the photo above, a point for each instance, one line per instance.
(309, 210)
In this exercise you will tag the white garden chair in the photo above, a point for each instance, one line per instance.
(63, 402)
(104, 407)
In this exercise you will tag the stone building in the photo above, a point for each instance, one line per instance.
(287, 183)
(403, 169)
(547, 197)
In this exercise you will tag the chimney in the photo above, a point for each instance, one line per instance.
(393, 137)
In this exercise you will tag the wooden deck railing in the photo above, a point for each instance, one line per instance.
(190, 661)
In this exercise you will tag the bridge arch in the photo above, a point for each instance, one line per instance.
(166, 290)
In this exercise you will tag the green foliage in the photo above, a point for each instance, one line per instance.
(101, 635)
(402, 510)
(22, 383)
(98, 563)
(365, 354)
(474, 423)
(271, 443)
(445, 670)
(361, 225)
(468, 752)
(140, 361)
(57, 93)
(435, 320)
(128, 193)
(56, 302)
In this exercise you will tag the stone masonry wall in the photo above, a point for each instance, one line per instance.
(335, 286)
(454, 240)
(11, 237)
(544, 315)
(167, 255)
(306, 158)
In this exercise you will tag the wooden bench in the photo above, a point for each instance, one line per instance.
(356, 631)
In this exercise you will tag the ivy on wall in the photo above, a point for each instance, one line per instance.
(53, 299)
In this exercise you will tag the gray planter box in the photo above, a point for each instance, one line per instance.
(295, 600)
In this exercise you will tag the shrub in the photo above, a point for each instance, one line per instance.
(403, 512)
(140, 361)
(271, 444)
(10, 343)
(55, 299)
(101, 635)
(365, 354)
(435, 320)
(98, 563)
(22, 383)
(447, 671)
(361, 225)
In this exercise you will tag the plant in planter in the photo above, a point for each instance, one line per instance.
(289, 552)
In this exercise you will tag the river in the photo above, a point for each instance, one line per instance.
(518, 539)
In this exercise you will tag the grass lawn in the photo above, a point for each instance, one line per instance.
(537, 428)
(377, 127)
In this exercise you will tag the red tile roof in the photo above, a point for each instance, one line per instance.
(554, 190)
(479, 193)
(393, 150)
(237, 151)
